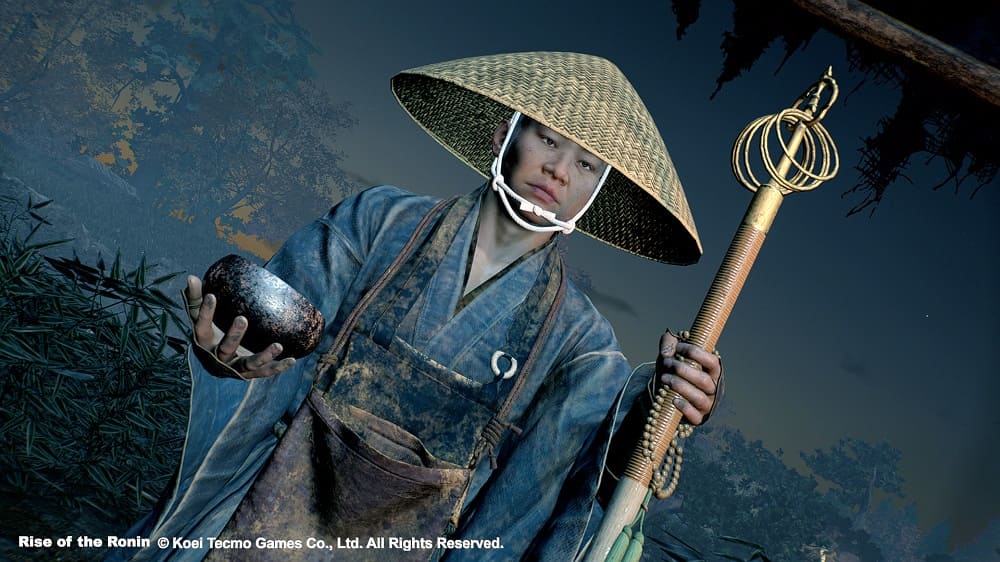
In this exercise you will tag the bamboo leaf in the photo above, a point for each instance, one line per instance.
(164, 278)
(55, 485)
(112, 427)
(31, 234)
(74, 269)
(43, 457)
(74, 374)
(138, 490)
(124, 333)
(38, 217)
(116, 267)
(179, 345)
(48, 407)
(742, 541)
(32, 268)
(133, 316)
(29, 436)
(98, 475)
(57, 384)
(21, 260)
(140, 273)
(35, 329)
(17, 349)
(162, 329)
(91, 503)
(8, 427)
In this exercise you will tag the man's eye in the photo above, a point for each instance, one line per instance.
(587, 166)
(547, 141)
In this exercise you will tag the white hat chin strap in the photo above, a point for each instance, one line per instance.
(504, 191)
(527, 206)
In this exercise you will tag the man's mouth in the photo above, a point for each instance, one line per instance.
(546, 194)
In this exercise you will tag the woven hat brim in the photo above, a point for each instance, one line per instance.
(623, 215)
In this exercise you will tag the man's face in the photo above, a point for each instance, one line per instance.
(549, 170)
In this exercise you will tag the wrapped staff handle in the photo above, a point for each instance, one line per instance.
(810, 150)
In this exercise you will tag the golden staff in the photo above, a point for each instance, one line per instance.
(817, 163)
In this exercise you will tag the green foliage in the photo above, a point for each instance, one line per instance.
(92, 396)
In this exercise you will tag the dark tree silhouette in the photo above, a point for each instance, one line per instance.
(742, 489)
(940, 117)
(856, 469)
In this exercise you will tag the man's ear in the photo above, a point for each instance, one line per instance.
(498, 135)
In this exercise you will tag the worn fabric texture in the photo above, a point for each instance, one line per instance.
(387, 441)
(538, 500)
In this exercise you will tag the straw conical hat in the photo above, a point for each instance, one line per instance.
(640, 209)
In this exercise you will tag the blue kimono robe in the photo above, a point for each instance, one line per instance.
(540, 499)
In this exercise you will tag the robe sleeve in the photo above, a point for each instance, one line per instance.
(231, 425)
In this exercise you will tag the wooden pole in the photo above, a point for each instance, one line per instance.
(861, 22)
(664, 417)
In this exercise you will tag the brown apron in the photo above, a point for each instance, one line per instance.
(385, 444)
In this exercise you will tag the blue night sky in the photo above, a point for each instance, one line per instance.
(876, 327)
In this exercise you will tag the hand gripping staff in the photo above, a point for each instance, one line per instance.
(811, 152)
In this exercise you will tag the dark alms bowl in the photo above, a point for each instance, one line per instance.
(275, 312)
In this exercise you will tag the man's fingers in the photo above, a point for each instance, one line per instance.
(694, 375)
(270, 369)
(192, 294)
(193, 287)
(261, 365)
(203, 328)
(706, 375)
(693, 415)
(691, 393)
(668, 344)
(201, 308)
(226, 350)
(258, 360)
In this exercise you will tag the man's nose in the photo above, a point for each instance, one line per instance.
(558, 167)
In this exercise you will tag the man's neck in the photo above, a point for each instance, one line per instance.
(500, 241)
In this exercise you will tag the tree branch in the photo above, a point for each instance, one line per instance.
(118, 94)
(862, 22)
